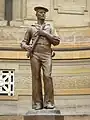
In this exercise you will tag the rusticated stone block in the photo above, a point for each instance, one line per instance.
(82, 117)
(16, 23)
(3, 23)
(11, 117)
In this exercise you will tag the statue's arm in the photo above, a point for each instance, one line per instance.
(27, 37)
(50, 35)
(55, 40)
(55, 37)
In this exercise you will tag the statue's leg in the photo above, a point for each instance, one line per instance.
(48, 83)
(37, 98)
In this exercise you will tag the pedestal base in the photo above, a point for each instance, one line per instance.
(45, 114)
(44, 117)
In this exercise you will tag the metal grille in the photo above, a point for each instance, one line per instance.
(7, 82)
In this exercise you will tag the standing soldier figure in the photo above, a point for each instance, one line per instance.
(41, 57)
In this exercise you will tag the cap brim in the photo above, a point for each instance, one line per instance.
(39, 7)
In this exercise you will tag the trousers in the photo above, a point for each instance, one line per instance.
(42, 61)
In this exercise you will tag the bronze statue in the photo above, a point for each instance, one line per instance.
(37, 41)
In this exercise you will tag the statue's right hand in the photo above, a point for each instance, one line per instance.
(28, 47)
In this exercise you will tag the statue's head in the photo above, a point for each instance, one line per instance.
(41, 12)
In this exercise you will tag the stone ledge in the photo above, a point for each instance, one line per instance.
(83, 91)
(59, 55)
(3, 23)
(28, 22)
(17, 23)
(11, 117)
(43, 112)
(8, 98)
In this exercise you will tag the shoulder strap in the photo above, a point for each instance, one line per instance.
(36, 40)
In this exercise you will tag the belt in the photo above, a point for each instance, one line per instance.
(43, 44)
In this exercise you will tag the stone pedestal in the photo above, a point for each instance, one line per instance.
(44, 117)
(44, 114)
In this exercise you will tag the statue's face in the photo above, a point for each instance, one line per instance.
(41, 14)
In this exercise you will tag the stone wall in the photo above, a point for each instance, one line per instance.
(61, 13)
(68, 75)
(70, 37)
(71, 65)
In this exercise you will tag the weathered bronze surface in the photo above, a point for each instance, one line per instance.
(37, 41)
